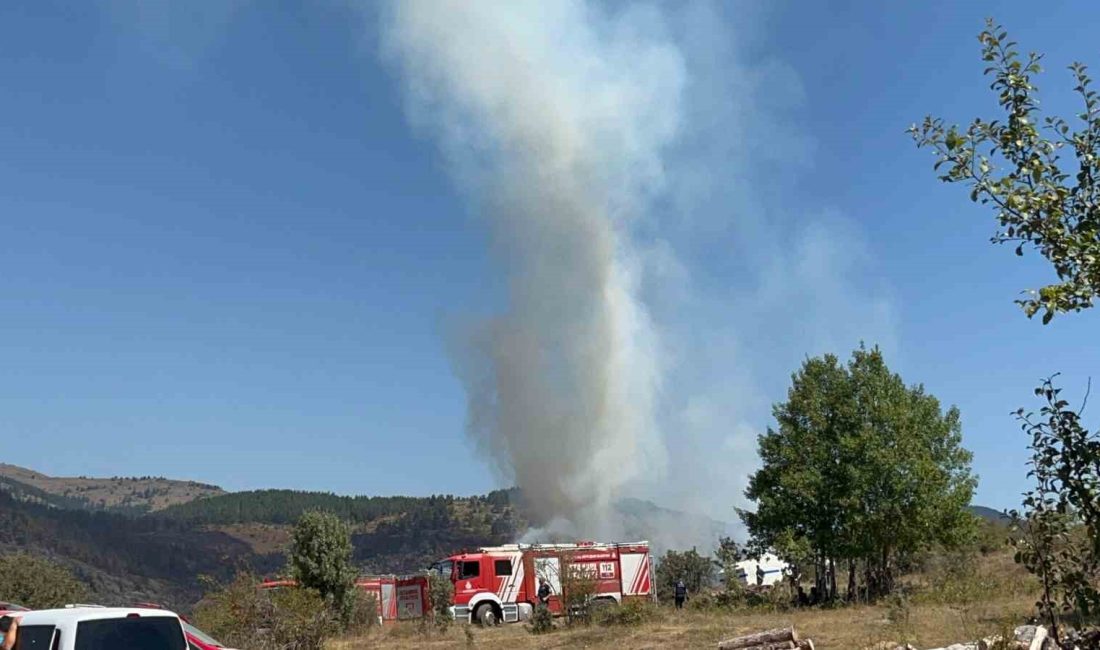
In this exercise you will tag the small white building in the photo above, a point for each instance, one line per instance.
(773, 568)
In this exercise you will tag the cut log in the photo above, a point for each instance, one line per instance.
(760, 638)
(778, 645)
(805, 644)
(1033, 635)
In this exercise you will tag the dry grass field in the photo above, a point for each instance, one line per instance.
(946, 606)
(851, 627)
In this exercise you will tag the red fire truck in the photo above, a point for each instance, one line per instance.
(501, 583)
(399, 598)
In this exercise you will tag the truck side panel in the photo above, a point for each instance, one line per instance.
(635, 573)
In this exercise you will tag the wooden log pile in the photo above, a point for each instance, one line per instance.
(1025, 637)
(785, 638)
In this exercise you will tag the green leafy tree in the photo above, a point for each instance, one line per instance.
(1043, 198)
(726, 557)
(860, 468)
(320, 559)
(697, 572)
(38, 583)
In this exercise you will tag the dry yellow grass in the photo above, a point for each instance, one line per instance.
(986, 596)
(842, 628)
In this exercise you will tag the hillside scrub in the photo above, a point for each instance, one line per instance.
(389, 534)
(162, 567)
(244, 616)
(38, 583)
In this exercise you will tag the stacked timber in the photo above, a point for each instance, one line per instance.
(785, 638)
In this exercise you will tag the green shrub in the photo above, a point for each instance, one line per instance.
(542, 621)
(703, 602)
(897, 608)
(302, 620)
(440, 597)
(242, 615)
(364, 612)
(628, 614)
(38, 583)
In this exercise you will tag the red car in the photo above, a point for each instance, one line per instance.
(196, 638)
(199, 640)
(7, 609)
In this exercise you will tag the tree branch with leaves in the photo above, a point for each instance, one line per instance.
(1019, 167)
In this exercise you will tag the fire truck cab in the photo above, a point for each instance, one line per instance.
(500, 583)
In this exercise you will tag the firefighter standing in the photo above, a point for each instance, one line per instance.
(544, 592)
(759, 575)
(681, 594)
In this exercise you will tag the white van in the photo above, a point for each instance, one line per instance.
(771, 567)
(100, 628)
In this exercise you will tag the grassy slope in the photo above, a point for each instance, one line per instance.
(134, 494)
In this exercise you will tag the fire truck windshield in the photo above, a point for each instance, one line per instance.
(443, 567)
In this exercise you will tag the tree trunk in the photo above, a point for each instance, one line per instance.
(832, 579)
(771, 637)
(851, 581)
(887, 572)
(823, 588)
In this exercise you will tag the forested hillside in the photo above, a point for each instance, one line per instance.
(285, 506)
(391, 534)
(128, 555)
(124, 558)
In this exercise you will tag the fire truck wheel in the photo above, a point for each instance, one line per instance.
(486, 615)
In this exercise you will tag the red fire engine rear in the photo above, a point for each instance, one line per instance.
(399, 598)
(501, 583)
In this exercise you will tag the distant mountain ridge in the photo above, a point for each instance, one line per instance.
(144, 494)
(668, 528)
(989, 514)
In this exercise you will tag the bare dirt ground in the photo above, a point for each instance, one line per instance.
(842, 628)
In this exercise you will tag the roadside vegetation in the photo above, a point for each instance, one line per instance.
(943, 597)
(325, 604)
(38, 583)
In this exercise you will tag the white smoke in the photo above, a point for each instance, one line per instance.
(554, 116)
(611, 151)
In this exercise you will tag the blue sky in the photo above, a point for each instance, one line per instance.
(226, 255)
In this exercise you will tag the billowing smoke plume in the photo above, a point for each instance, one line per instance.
(553, 116)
